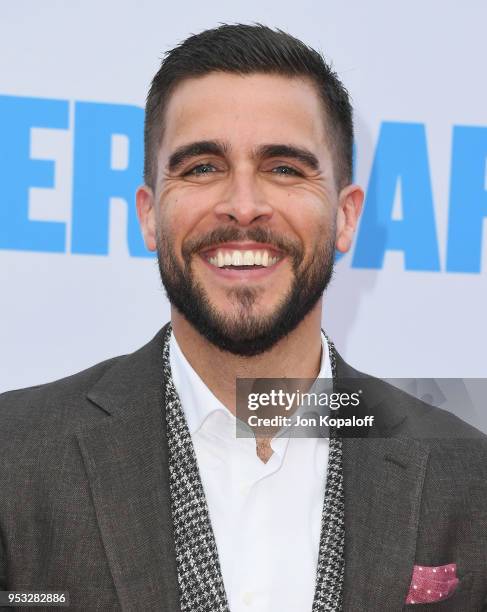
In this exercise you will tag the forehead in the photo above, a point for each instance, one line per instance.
(245, 111)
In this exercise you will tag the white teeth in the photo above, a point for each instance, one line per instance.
(248, 258)
(237, 258)
(242, 258)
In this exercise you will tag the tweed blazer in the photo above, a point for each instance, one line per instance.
(85, 508)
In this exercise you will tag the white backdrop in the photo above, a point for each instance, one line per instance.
(415, 70)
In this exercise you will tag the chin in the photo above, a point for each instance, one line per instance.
(245, 307)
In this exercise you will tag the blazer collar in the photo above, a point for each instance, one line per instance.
(134, 380)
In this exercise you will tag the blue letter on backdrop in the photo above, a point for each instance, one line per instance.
(468, 199)
(401, 153)
(18, 172)
(95, 181)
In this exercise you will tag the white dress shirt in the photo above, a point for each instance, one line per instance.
(266, 517)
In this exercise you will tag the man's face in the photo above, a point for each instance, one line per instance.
(244, 209)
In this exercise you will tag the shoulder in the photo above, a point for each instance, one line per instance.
(40, 426)
(456, 470)
(426, 421)
(402, 414)
(45, 407)
(61, 407)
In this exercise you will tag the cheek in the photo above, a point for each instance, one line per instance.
(312, 219)
(178, 216)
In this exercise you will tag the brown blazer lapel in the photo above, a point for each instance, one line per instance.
(383, 480)
(126, 461)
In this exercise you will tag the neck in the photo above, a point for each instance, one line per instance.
(298, 355)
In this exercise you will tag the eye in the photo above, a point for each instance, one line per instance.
(200, 169)
(286, 171)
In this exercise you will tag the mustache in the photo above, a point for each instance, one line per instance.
(265, 235)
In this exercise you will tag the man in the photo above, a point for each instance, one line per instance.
(126, 485)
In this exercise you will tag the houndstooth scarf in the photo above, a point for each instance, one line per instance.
(199, 574)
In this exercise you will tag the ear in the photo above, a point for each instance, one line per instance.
(349, 208)
(146, 214)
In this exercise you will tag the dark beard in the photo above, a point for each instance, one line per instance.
(244, 334)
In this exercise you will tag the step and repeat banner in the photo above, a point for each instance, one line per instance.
(77, 285)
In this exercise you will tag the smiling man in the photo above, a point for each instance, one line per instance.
(245, 206)
(127, 487)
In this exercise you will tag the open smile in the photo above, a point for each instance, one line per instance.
(238, 260)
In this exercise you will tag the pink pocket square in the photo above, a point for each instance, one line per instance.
(431, 584)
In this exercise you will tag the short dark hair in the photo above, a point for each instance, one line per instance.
(247, 49)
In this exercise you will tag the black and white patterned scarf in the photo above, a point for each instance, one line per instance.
(199, 574)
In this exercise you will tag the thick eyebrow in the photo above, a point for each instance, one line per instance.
(281, 150)
(215, 147)
(193, 149)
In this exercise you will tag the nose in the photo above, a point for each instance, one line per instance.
(243, 201)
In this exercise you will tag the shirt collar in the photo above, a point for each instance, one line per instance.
(197, 401)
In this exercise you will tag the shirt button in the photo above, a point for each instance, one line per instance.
(247, 598)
